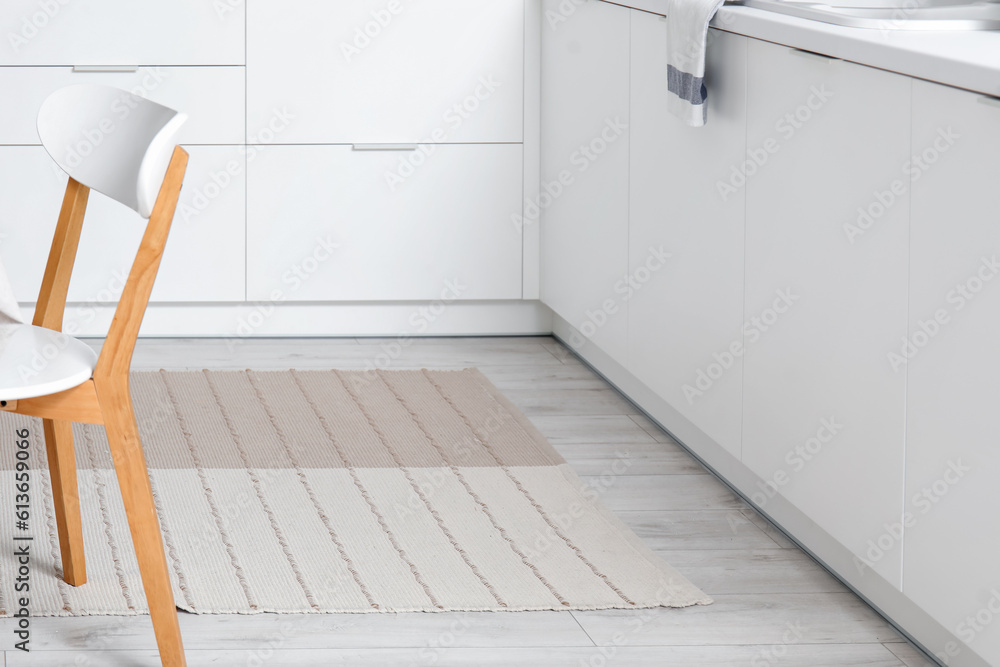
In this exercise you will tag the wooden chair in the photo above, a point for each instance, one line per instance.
(123, 146)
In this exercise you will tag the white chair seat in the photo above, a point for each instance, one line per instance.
(35, 361)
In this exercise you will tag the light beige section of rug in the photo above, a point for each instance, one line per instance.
(336, 491)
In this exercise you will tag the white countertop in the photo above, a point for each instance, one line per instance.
(965, 59)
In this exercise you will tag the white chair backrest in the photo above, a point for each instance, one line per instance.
(110, 140)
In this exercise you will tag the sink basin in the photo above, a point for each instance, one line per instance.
(891, 14)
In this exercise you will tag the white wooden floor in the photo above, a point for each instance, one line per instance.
(773, 604)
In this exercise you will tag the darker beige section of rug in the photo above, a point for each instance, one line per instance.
(318, 419)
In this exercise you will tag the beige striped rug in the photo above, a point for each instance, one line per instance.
(337, 491)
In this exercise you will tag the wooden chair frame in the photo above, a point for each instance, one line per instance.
(105, 399)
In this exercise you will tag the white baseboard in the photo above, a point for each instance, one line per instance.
(887, 599)
(247, 320)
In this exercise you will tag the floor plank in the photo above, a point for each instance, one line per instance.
(769, 528)
(591, 429)
(315, 631)
(667, 492)
(345, 353)
(647, 425)
(815, 618)
(697, 529)
(655, 458)
(557, 390)
(910, 655)
(746, 572)
(558, 350)
(873, 655)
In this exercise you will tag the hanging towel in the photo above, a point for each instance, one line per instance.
(687, 35)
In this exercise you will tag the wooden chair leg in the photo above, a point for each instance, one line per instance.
(137, 494)
(66, 498)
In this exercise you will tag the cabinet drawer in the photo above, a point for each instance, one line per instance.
(213, 98)
(449, 221)
(437, 71)
(122, 32)
(204, 257)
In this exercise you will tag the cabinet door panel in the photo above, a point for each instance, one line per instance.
(823, 418)
(434, 72)
(324, 225)
(952, 457)
(204, 257)
(690, 313)
(122, 32)
(584, 167)
(212, 97)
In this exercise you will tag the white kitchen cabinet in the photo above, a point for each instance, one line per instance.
(204, 257)
(823, 413)
(123, 32)
(212, 97)
(684, 322)
(952, 457)
(584, 167)
(325, 225)
(436, 71)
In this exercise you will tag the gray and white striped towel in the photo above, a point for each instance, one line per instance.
(687, 36)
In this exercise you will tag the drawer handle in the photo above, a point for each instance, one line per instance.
(384, 147)
(105, 68)
(812, 55)
(989, 100)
